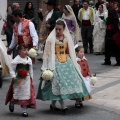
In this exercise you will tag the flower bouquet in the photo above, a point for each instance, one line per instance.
(93, 80)
(47, 75)
(32, 53)
(21, 74)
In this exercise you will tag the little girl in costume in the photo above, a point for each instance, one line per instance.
(85, 70)
(21, 90)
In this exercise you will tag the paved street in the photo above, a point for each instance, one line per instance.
(105, 104)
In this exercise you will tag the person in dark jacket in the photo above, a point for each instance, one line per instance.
(8, 29)
(112, 45)
(98, 3)
(76, 7)
(29, 12)
(52, 15)
(10, 23)
(116, 6)
(9, 26)
(58, 7)
(48, 21)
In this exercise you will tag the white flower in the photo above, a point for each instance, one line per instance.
(93, 80)
(47, 75)
(32, 53)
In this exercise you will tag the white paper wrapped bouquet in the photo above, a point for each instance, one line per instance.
(32, 53)
(93, 80)
(47, 75)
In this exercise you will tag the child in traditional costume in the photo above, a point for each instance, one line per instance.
(59, 57)
(21, 91)
(85, 70)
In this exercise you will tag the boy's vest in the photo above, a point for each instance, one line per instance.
(25, 37)
(91, 14)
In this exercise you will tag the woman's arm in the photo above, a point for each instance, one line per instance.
(105, 15)
(34, 17)
(46, 56)
(12, 70)
(97, 19)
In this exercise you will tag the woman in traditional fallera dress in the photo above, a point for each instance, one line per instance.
(59, 56)
(21, 90)
(71, 22)
(4, 59)
(4, 62)
(100, 30)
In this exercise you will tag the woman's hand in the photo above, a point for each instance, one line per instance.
(9, 51)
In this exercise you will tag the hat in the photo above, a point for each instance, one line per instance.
(50, 2)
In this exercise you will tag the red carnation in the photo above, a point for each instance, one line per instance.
(22, 73)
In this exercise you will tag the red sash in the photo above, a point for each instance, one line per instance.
(20, 41)
(86, 23)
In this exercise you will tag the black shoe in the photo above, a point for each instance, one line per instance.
(54, 108)
(117, 64)
(78, 105)
(64, 110)
(97, 54)
(91, 51)
(40, 59)
(106, 63)
(81, 104)
(11, 107)
(25, 114)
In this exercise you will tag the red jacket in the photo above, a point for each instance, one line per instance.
(84, 68)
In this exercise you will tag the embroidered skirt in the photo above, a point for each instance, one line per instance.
(31, 103)
(66, 84)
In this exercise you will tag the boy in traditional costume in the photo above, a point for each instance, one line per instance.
(86, 16)
(23, 32)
